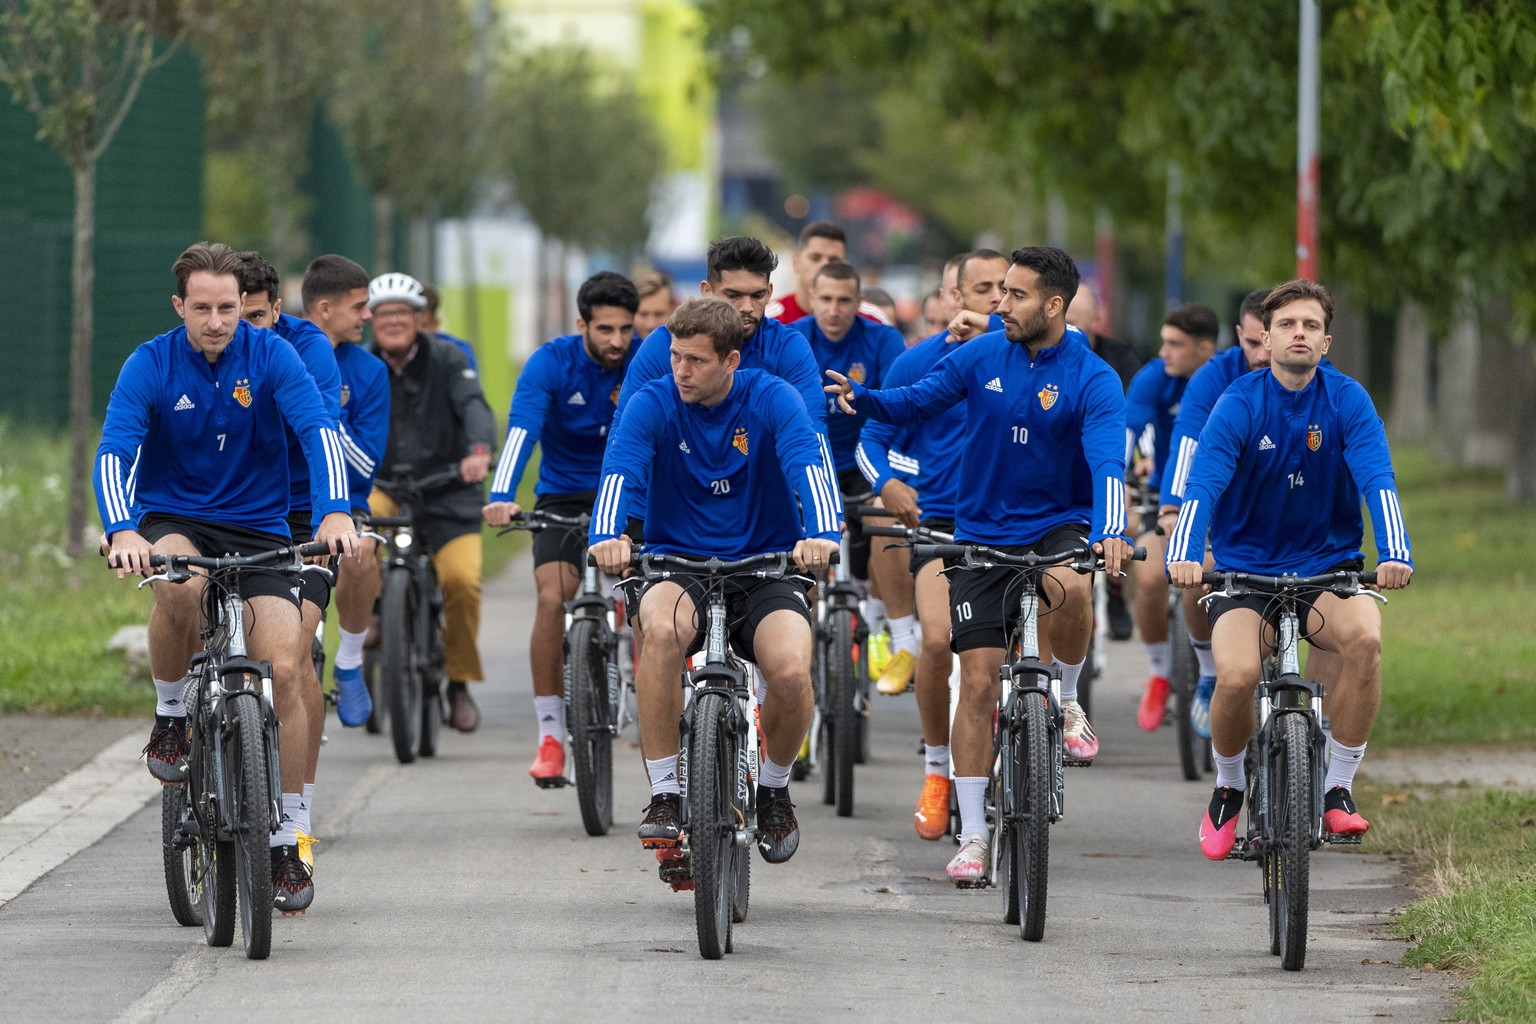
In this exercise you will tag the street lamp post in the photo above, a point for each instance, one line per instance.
(1306, 145)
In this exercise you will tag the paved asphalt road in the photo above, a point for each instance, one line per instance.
(454, 889)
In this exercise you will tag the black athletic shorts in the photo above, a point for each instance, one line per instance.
(215, 540)
(933, 523)
(856, 491)
(748, 602)
(984, 603)
(313, 587)
(563, 543)
(1268, 607)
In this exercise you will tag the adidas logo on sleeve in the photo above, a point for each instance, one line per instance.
(576, 399)
(183, 404)
(1265, 444)
(995, 384)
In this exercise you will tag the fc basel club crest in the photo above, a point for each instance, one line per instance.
(346, 394)
(1314, 437)
(1048, 396)
(614, 396)
(242, 392)
(858, 373)
(739, 442)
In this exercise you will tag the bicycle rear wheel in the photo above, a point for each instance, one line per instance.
(1184, 676)
(713, 821)
(180, 861)
(375, 691)
(397, 662)
(1032, 837)
(1290, 792)
(842, 671)
(250, 816)
(587, 714)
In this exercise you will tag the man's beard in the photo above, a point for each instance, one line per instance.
(1031, 333)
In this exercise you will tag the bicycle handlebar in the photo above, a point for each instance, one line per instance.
(916, 534)
(293, 553)
(979, 556)
(772, 566)
(419, 487)
(1247, 582)
(534, 520)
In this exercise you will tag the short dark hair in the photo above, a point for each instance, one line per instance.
(1253, 305)
(606, 288)
(709, 316)
(329, 276)
(213, 257)
(1058, 273)
(964, 260)
(1196, 320)
(822, 229)
(837, 270)
(1300, 288)
(738, 253)
(256, 275)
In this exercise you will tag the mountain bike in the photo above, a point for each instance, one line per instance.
(1284, 763)
(411, 656)
(1026, 792)
(840, 678)
(718, 763)
(599, 679)
(215, 827)
(1183, 678)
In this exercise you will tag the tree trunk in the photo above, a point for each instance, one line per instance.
(81, 328)
(1456, 395)
(383, 234)
(1412, 377)
(471, 283)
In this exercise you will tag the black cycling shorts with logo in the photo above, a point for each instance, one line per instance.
(748, 602)
(563, 543)
(937, 523)
(313, 587)
(215, 540)
(984, 603)
(856, 491)
(1268, 607)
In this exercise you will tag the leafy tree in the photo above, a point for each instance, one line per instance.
(78, 65)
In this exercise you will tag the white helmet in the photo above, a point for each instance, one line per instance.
(396, 288)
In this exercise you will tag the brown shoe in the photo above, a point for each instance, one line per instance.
(463, 715)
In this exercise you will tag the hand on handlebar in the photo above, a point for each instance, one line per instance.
(814, 554)
(1393, 575)
(1186, 575)
(1116, 552)
(612, 555)
(501, 513)
(130, 554)
(474, 468)
(339, 532)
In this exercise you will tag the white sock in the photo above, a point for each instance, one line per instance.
(309, 807)
(350, 653)
(663, 773)
(1229, 771)
(936, 759)
(168, 699)
(903, 636)
(971, 795)
(1157, 657)
(550, 711)
(285, 835)
(1204, 657)
(760, 685)
(1069, 677)
(874, 611)
(1342, 762)
(773, 776)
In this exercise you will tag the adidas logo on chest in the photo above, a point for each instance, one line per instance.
(576, 399)
(1265, 444)
(183, 404)
(995, 384)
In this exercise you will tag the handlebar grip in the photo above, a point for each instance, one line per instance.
(1138, 554)
(315, 548)
(888, 531)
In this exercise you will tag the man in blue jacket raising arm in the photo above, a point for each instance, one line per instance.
(724, 455)
(1044, 454)
(1283, 463)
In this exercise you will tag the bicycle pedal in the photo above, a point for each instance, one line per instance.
(1340, 839)
(980, 883)
(1072, 762)
(675, 869)
(552, 782)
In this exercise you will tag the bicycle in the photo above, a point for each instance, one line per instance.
(411, 656)
(215, 827)
(1285, 755)
(1026, 793)
(599, 680)
(718, 762)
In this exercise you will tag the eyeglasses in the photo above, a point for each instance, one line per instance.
(394, 314)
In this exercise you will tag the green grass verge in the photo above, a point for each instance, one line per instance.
(1458, 651)
(1475, 858)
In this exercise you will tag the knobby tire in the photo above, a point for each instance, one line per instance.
(587, 712)
(1291, 822)
(842, 679)
(250, 816)
(1184, 676)
(713, 814)
(397, 662)
(1032, 838)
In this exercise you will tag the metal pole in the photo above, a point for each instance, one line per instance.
(1306, 145)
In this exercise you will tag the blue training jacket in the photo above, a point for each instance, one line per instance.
(364, 417)
(930, 451)
(740, 478)
(210, 438)
(1275, 479)
(565, 402)
(314, 348)
(1043, 441)
(1152, 400)
(1199, 399)
(865, 354)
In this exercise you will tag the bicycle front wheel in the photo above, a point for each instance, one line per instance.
(181, 884)
(1031, 814)
(842, 681)
(587, 710)
(215, 854)
(250, 819)
(1184, 676)
(714, 818)
(1290, 816)
(397, 662)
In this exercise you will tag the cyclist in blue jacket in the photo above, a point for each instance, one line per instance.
(732, 468)
(1283, 464)
(194, 460)
(1045, 472)
(564, 402)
